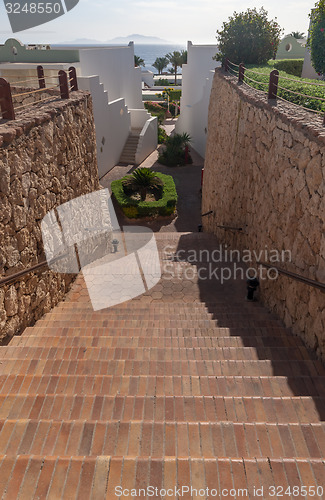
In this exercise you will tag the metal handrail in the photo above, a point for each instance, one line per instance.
(21, 274)
(231, 228)
(297, 277)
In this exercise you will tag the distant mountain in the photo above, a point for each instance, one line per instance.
(140, 39)
(82, 41)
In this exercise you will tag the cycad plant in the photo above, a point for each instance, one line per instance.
(143, 181)
(176, 150)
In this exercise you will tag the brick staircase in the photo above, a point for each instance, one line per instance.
(187, 385)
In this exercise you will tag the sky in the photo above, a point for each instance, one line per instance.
(175, 21)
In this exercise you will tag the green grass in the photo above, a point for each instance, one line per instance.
(299, 85)
(134, 209)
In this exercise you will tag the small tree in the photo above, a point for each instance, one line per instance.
(316, 38)
(138, 61)
(249, 37)
(160, 64)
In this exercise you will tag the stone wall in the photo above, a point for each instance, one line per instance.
(47, 157)
(265, 172)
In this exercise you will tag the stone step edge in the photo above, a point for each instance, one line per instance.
(167, 458)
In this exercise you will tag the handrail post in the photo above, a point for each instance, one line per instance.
(64, 88)
(273, 84)
(41, 78)
(241, 72)
(226, 64)
(6, 104)
(73, 78)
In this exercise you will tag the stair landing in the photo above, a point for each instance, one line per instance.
(187, 390)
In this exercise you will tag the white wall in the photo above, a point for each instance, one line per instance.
(196, 89)
(115, 67)
(139, 118)
(148, 140)
(147, 77)
(112, 123)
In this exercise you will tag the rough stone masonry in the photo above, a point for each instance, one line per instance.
(47, 157)
(265, 172)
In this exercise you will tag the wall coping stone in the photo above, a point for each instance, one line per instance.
(36, 115)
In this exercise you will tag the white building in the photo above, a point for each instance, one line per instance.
(196, 88)
(116, 87)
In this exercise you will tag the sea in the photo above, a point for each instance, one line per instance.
(149, 53)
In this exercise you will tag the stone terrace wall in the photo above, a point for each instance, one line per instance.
(47, 157)
(265, 168)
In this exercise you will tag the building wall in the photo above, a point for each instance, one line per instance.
(265, 172)
(47, 157)
(196, 87)
(291, 48)
(113, 123)
(16, 52)
(115, 67)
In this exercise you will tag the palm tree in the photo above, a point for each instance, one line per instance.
(141, 181)
(176, 59)
(184, 57)
(160, 64)
(298, 35)
(138, 61)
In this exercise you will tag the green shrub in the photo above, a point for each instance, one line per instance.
(290, 66)
(157, 110)
(175, 95)
(132, 208)
(162, 82)
(248, 36)
(316, 38)
(299, 85)
(162, 135)
(174, 153)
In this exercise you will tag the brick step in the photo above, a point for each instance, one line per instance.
(155, 353)
(162, 408)
(158, 342)
(174, 306)
(135, 367)
(152, 316)
(273, 386)
(163, 323)
(75, 478)
(216, 332)
(159, 440)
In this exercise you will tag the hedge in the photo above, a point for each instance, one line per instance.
(299, 85)
(134, 209)
(290, 66)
